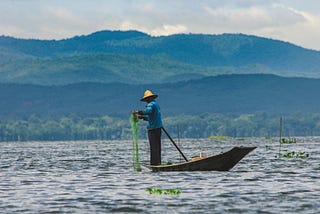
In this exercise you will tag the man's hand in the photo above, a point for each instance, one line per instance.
(137, 112)
(142, 117)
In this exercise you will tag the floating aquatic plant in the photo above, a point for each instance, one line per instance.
(268, 147)
(159, 191)
(218, 137)
(294, 154)
(288, 140)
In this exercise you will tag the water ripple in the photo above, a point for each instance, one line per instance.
(97, 177)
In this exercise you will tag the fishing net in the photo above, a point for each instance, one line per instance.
(134, 126)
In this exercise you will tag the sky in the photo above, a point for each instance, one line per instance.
(294, 21)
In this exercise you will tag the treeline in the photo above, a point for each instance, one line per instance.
(73, 127)
(246, 125)
(65, 128)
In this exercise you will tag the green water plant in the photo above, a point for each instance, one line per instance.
(268, 148)
(159, 191)
(288, 140)
(294, 154)
(219, 137)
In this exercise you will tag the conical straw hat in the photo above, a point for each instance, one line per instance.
(148, 94)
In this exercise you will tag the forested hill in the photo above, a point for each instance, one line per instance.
(232, 94)
(135, 57)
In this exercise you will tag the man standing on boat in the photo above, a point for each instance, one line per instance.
(152, 114)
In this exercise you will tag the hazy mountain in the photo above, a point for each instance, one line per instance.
(228, 94)
(135, 57)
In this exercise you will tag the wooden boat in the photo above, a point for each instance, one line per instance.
(221, 162)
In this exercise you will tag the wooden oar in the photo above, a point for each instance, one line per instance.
(174, 144)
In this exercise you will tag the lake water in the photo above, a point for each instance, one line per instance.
(97, 177)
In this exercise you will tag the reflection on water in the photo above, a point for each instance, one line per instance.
(97, 177)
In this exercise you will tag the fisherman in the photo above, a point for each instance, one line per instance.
(152, 114)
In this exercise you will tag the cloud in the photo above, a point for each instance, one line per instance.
(305, 33)
(43, 21)
(60, 22)
(252, 18)
(279, 19)
(165, 29)
(273, 20)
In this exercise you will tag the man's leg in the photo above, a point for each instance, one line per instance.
(154, 136)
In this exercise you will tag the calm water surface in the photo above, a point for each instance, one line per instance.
(97, 177)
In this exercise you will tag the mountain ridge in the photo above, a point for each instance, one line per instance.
(225, 94)
(163, 58)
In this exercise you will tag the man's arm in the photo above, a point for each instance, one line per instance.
(140, 114)
(148, 110)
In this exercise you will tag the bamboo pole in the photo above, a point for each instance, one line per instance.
(280, 136)
(165, 131)
(179, 145)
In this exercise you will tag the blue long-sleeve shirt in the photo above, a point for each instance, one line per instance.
(152, 111)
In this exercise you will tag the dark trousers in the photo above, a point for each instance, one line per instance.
(154, 136)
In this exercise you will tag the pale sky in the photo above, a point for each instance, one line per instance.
(295, 21)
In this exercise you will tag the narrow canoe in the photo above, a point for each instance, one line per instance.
(221, 162)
